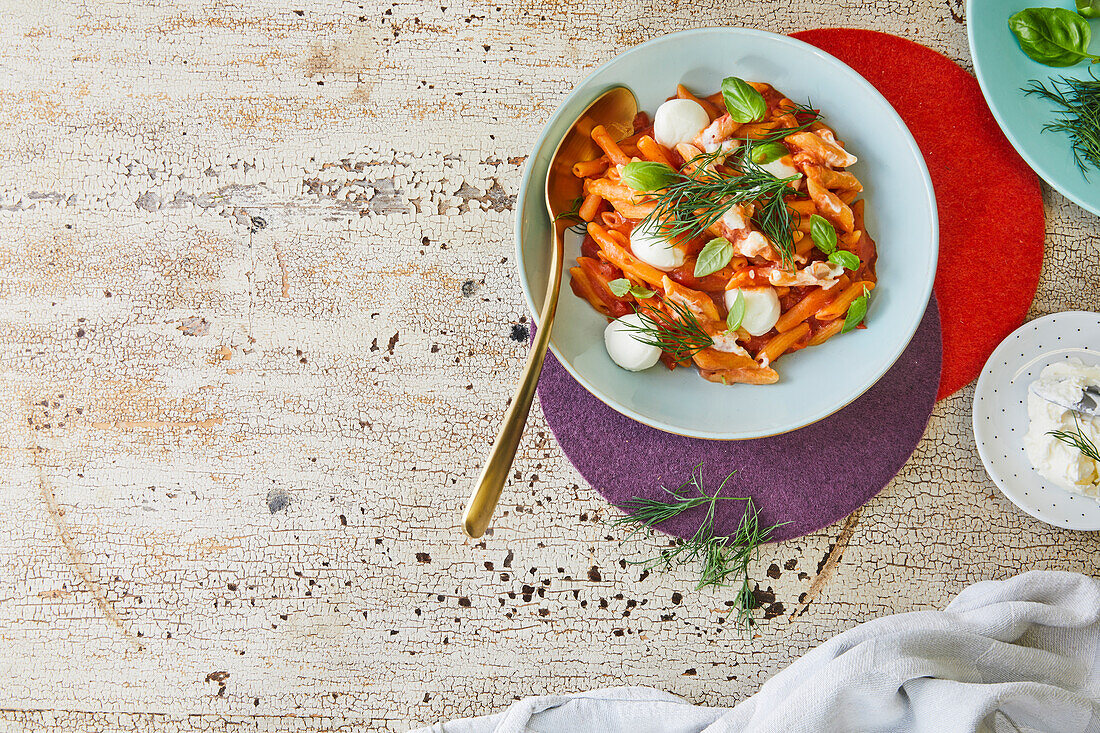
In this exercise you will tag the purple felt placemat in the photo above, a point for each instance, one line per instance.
(809, 478)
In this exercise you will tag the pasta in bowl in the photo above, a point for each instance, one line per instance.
(626, 247)
(726, 231)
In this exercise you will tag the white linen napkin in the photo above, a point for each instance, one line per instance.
(1017, 655)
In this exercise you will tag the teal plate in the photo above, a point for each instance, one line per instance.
(901, 216)
(1002, 68)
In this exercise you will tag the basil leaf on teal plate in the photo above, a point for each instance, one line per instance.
(1088, 8)
(1053, 36)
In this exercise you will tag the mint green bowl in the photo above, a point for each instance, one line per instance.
(1002, 68)
(901, 216)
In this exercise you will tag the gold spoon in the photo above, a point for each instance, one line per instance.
(615, 110)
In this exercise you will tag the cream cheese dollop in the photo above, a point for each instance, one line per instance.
(1056, 461)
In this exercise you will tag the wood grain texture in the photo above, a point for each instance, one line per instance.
(257, 307)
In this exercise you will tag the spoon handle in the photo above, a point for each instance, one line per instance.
(487, 488)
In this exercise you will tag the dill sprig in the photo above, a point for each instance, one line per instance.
(574, 213)
(723, 560)
(678, 333)
(690, 205)
(777, 135)
(1077, 439)
(772, 216)
(1078, 116)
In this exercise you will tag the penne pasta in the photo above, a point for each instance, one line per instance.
(760, 256)
(683, 92)
(617, 254)
(756, 130)
(754, 375)
(590, 206)
(590, 168)
(714, 360)
(610, 148)
(781, 343)
(826, 332)
(839, 307)
(654, 151)
(830, 205)
(809, 305)
(611, 191)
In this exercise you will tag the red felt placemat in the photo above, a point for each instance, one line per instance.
(989, 201)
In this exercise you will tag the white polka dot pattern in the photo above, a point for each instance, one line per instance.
(1000, 414)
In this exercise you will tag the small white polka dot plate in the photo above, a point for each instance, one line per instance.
(1000, 414)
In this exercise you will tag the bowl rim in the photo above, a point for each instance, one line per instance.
(544, 139)
(1033, 161)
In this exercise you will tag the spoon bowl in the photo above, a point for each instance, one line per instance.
(615, 109)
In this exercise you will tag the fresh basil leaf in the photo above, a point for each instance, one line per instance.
(846, 259)
(645, 175)
(620, 287)
(714, 256)
(737, 312)
(1088, 8)
(768, 152)
(856, 311)
(823, 233)
(744, 103)
(1052, 36)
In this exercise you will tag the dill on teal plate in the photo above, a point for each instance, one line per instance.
(1078, 102)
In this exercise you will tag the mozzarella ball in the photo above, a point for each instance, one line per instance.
(624, 349)
(679, 121)
(649, 246)
(779, 169)
(761, 309)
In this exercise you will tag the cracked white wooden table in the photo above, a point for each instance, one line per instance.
(259, 322)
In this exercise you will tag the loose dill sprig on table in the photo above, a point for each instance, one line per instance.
(1077, 439)
(690, 205)
(678, 333)
(723, 559)
(1078, 116)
